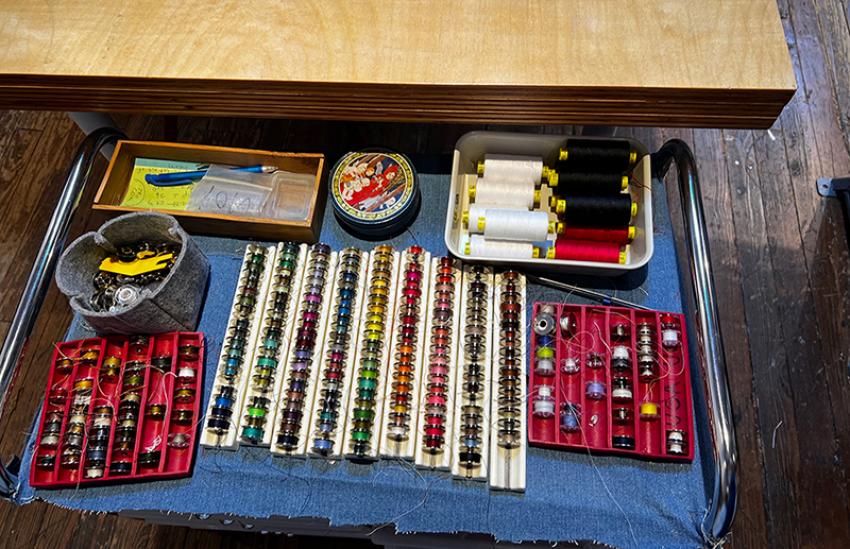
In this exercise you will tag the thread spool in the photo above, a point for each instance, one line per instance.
(511, 224)
(581, 250)
(623, 442)
(649, 411)
(544, 324)
(589, 183)
(676, 442)
(599, 211)
(570, 417)
(511, 167)
(500, 249)
(570, 365)
(622, 389)
(596, 156)
(544, 404)
(544, 367)
(621, 235)
(595, 390)
(489, 190)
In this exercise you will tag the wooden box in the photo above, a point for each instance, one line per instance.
(117, 177)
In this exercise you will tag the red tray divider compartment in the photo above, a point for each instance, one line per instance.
(640, 408)
(157, 386)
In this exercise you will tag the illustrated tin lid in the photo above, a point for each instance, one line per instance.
(375, 192)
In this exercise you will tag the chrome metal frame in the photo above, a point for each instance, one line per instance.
(45, 262)
(721, 512)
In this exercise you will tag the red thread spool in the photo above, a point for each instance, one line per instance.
(585, 250)
(617, 236)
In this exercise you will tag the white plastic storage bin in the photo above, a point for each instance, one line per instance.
(472, 147)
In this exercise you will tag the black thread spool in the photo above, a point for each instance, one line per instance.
(590, 183)
(597, 211)
(596, 156)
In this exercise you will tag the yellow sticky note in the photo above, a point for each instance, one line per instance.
(141, 194)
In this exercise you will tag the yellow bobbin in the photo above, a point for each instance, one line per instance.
(649, 409)
(464, 219)
(467, 249)
(563, 154)
(623, 254)
(553, 178)
(481, 223)
(559, 227)
(550, 252)
(625, 184)
(480, 168)
(535, 252)
(634, 209)
(471, 191)
(632, 157)
(537, 197)
(632, 232)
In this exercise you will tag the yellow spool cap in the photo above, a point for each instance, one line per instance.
(550, 253)
(631, 232)
(464, 219)
(537, 197)
(632, 157)
(480, 168)
(625, 184)
(623, 255)
(481, 223)
(634, 209)
(553, 179)
(560, 206)
(563, 154)
(467, 249)
(535, 252)
(471, 191)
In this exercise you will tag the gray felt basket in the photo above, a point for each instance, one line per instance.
(173, 304)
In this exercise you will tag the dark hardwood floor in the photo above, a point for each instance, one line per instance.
(779, 256)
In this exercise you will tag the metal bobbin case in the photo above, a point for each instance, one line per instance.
(270, 350)
(405, 370)
(336, 368)
(472, 396)
(220, 427)
(375, 193)
(507, 397)
(363, 424)
(291, 425)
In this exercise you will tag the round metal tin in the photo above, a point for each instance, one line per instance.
(375, 194)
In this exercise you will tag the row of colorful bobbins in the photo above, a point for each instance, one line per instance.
(338, 350)
(258, 408)
(237, 340)
(407, 345)
(474, 355)
(315, 279)
(510, 362)
(371, 354)
(439, 358)
(188, 356)
(130, 405)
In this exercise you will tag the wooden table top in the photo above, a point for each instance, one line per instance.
(718, 63)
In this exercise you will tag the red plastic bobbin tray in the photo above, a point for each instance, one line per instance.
(120, 409)
(621, 375)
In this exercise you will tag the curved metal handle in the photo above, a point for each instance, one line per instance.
(721, 512)
(45, 262)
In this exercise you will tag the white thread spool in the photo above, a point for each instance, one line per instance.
(512, 167)
(544, 367)
(503, 249)
(670, 338)
(504, 191)
(570, 365)
(620, 352)
(516, 225)
(544, 404)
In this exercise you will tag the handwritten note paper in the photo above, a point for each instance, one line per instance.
(141, 194)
